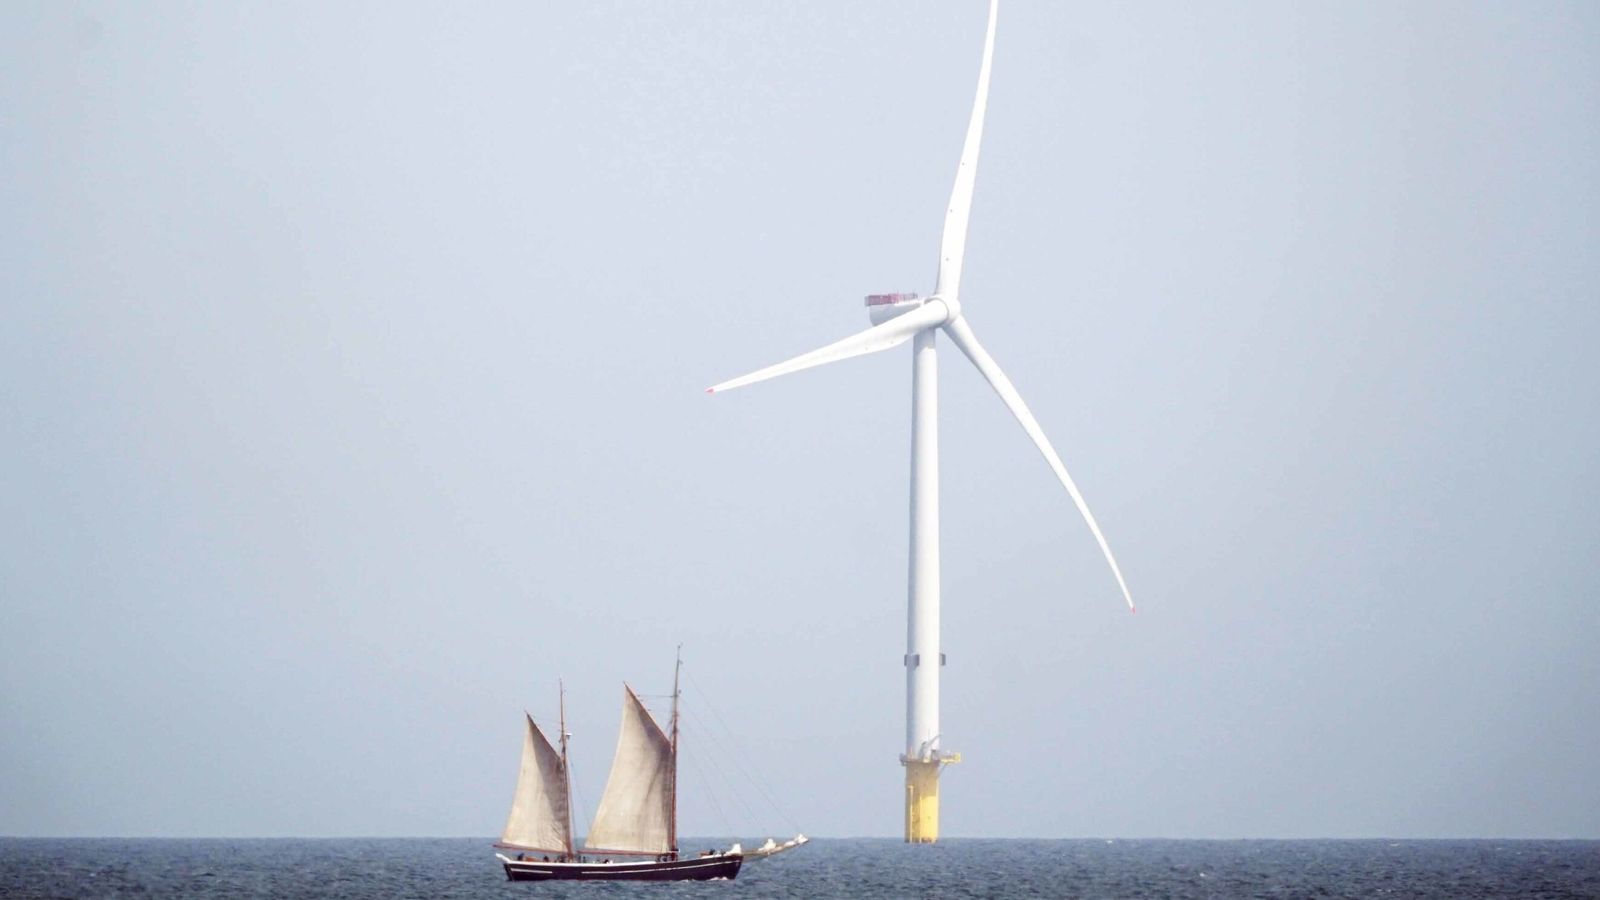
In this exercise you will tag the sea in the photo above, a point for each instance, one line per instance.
(866, 868)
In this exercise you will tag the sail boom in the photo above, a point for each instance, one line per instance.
(527, 847)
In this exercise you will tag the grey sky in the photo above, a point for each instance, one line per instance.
(350, 393)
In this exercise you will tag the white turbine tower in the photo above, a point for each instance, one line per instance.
(897, 318)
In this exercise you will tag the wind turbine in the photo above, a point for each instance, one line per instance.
(897, 318)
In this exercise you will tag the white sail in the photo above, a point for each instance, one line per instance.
(636, 810)
(539, 819)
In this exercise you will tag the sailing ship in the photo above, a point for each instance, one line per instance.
(634, 836)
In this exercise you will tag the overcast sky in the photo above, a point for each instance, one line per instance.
(351, 393)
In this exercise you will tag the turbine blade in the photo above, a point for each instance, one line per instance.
(879, 337)
(961, 334)
(953, 245)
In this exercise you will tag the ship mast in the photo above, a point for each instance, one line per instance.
(566, 771)
(672, 823)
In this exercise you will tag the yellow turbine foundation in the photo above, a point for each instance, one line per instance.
(922, 797)
(922, 802)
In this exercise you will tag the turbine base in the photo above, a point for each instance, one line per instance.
(922, 796)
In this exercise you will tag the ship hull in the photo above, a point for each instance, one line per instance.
(703, 868)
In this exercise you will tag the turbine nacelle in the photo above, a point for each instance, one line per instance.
(882, 308)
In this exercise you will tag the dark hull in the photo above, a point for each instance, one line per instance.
(703, 868)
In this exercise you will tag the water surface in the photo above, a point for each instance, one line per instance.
(448, 868)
